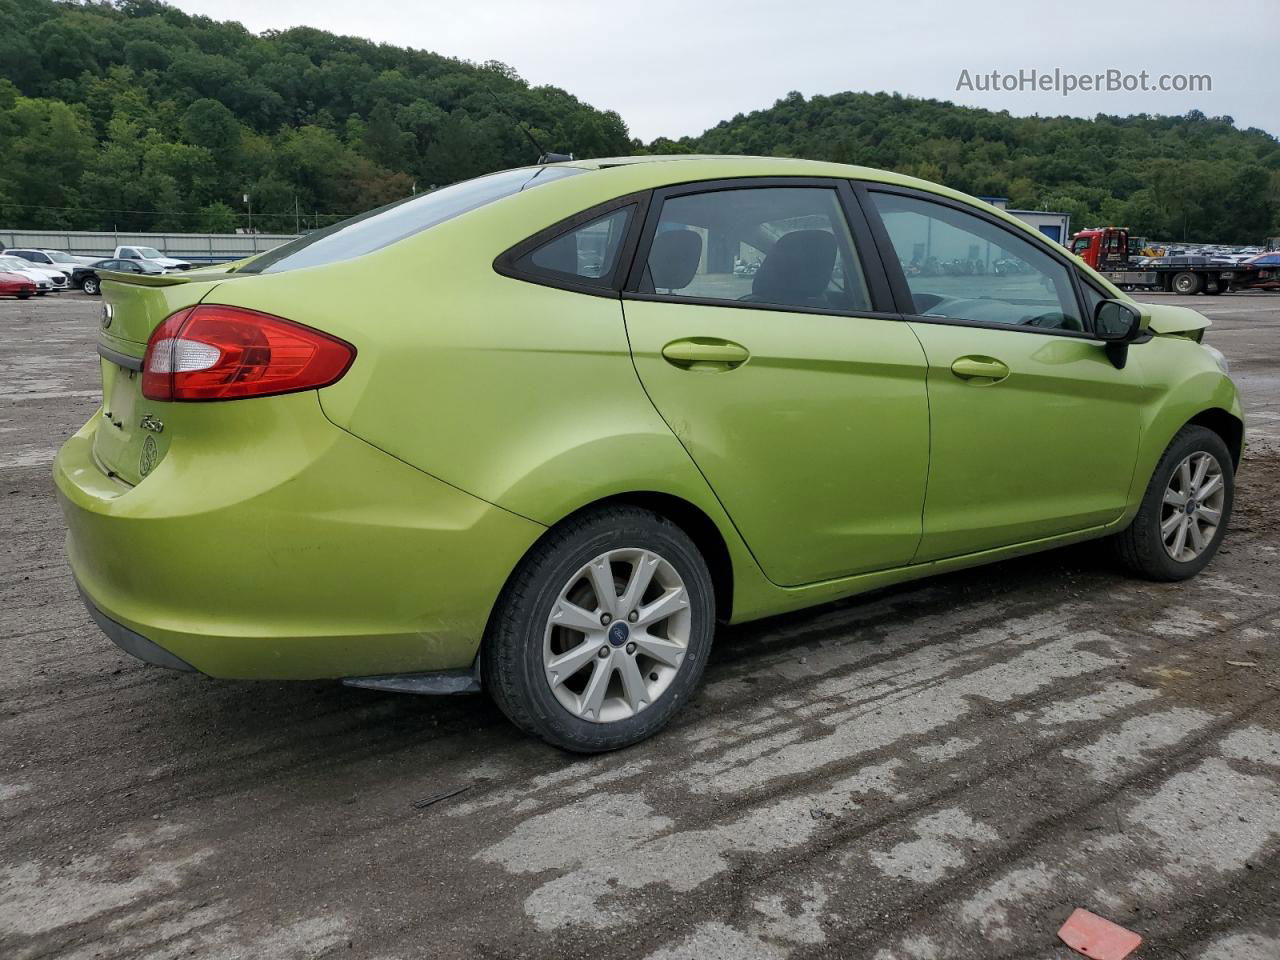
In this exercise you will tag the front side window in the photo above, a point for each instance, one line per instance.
(781, 246)
(1080, 245)
(963, 267)
(1092, 297)
(588, 254)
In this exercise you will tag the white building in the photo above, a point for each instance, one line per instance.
(1055, 226)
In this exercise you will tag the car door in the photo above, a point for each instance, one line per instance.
(751, 312)
(1034, 430)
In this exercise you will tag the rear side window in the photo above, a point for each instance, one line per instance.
(588, 254)
(382, 227)
(787, 247)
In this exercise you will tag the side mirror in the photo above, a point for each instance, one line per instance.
(1117, 323)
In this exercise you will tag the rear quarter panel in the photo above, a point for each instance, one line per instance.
(520, 394)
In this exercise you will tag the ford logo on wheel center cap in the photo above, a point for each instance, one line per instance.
(618, 633)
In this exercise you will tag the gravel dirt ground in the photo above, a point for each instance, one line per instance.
(938, 771)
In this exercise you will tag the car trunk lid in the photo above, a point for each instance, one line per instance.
(133, 433)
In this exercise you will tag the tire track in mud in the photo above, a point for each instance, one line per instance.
(745, 803)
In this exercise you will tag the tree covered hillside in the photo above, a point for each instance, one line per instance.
(137, 115)
(133, 114)
(1193, 177)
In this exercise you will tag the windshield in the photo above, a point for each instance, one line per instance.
(403, 218)
(149, 252)
(57, 256)
(13, 263)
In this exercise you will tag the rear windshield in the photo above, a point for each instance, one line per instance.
(403, 218)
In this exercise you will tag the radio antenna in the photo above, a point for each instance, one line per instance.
(543, 155)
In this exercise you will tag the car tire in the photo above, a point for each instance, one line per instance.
(1186, 283)
(26, 296)
(90, 286)
(1147, 547)
(610, 692)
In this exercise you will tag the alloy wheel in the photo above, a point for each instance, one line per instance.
(617, 635)
(1192, 507)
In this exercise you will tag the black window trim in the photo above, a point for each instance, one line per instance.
(898, 280)
(606, 286)
(864, 246)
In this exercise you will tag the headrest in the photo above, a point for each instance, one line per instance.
(799, 267)
(674, 258)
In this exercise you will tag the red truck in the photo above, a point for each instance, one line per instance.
(1106, 249)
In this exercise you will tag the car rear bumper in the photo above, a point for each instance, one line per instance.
(134, 644)
(303, 555)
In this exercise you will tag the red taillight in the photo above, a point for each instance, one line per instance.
(213, 352)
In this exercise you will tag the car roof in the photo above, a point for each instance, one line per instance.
(689, 168)
(759, 166)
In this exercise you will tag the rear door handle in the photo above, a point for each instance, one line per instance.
(980, 369)
(705, 353)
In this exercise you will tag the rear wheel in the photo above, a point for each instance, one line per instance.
(1185, 510)
(1186, 283)
(603, 632)
(90, 286)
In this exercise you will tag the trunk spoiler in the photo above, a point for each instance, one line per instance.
(162, 279)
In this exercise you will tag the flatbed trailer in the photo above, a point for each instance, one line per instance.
(1106, 249)
(1186, 275)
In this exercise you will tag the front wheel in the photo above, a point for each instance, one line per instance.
(90, 286)
(1185, 511)
(1186, 283)
(603, 631)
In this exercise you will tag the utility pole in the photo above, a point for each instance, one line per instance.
(296, 223)
(249, 203)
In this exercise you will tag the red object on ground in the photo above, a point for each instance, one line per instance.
(1097, 937)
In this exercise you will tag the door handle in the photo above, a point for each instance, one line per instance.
(980, 369)
(705, 353)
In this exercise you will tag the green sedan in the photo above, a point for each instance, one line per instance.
(539, 432)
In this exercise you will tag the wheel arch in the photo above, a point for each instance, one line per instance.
(1226, 425)
(686, 515)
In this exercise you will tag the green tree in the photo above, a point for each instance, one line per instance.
(217, 217)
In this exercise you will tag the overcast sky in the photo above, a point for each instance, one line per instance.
(672, 68)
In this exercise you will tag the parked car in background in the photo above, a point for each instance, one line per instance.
(50, 259)
(1267, 275)
(660, 442)
(82, 273)
(29, 270)
(130, 266)
(152, 254)
(87, 278)
(48, 280)
(16, 285)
